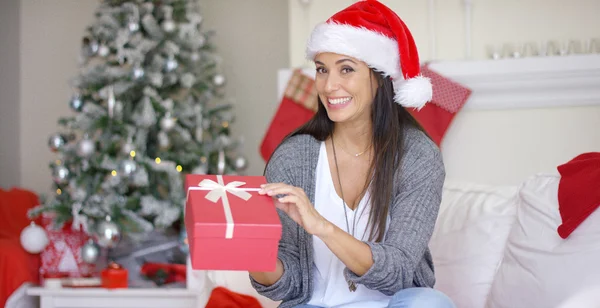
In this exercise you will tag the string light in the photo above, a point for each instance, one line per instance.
(203, 159)
(132, 153)
(179, 168)
(58, 191)
(157, 160)
(225, 124)
(58, 162)
(114, 173)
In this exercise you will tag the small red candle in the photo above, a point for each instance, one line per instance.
(114, 276)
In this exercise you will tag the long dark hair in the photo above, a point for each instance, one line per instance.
(389, 122)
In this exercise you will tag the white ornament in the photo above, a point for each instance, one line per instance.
(86, 147)
(103, 50)
(34, 238)
(219, 80)
(138, 72)
(127, 167)
(171, 64)
(167, 123)
(169, 26)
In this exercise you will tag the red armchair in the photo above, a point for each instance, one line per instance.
(17, 266)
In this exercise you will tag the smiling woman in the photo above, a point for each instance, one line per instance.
(357, 222)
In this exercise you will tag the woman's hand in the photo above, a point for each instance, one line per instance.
(296, 205)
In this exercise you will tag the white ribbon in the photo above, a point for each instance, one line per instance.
(218, 190)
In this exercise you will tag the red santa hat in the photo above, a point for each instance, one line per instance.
(371, 32)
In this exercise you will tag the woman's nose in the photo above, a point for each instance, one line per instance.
(332, 83)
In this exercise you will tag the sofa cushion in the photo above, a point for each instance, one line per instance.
(540, 269)
(469, 239)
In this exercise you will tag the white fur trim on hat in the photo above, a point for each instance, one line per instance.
(377, 50)
(414, 92)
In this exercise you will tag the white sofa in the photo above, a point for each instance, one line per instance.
(493, 247)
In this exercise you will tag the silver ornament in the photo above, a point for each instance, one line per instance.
(93, 47)
(133, 26)
(240, 163)
(111, 102)
(127, 167)
(167, 123)
(86, 147)
(169, 25)
(221, 163)
(60, 174)
(195, 56)
(107, 234)
(76, 103)
(90, 252)
(56, 142)
(171, 64)
(219, 80)
(138, 72)
(103, 50)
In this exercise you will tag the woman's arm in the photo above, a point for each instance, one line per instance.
(268, 278)
(412, 220)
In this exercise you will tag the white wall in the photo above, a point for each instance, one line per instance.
(502, 146)
(51, 34)
(9, 97)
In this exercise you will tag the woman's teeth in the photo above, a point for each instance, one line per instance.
(339, 100)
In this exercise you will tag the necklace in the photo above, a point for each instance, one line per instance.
(355, 155)
(351, 284)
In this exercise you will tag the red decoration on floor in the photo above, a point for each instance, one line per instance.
(578, 191)
(221, 297)
(63, 253)
(448, 99)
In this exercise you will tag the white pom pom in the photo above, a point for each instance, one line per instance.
(414, 92)
(34, 238)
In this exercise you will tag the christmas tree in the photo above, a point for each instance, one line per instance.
(149, 107)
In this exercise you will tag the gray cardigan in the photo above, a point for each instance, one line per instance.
(402, 260)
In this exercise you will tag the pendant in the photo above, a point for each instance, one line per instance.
(351, 286)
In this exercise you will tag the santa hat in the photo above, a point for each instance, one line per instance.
(369, 31)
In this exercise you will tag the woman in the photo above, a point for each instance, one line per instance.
(359, 186)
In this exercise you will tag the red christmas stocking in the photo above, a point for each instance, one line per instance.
(448, 98)
(298, 105)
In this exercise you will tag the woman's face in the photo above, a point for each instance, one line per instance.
(345, 87)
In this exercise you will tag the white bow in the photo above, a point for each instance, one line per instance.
(218, 190)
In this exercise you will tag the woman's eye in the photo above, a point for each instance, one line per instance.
(346, 70)
(321, 70)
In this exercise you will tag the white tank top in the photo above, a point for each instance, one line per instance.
(330, 286)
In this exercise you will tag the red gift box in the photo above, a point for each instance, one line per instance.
(114, 276)
(229, 225)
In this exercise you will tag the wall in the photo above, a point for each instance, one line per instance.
(252, 40)
(50, 39)
(495, 147)
(9, 97)
(51, 34)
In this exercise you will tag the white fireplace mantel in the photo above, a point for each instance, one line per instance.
(537, 82)
(527, 82)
